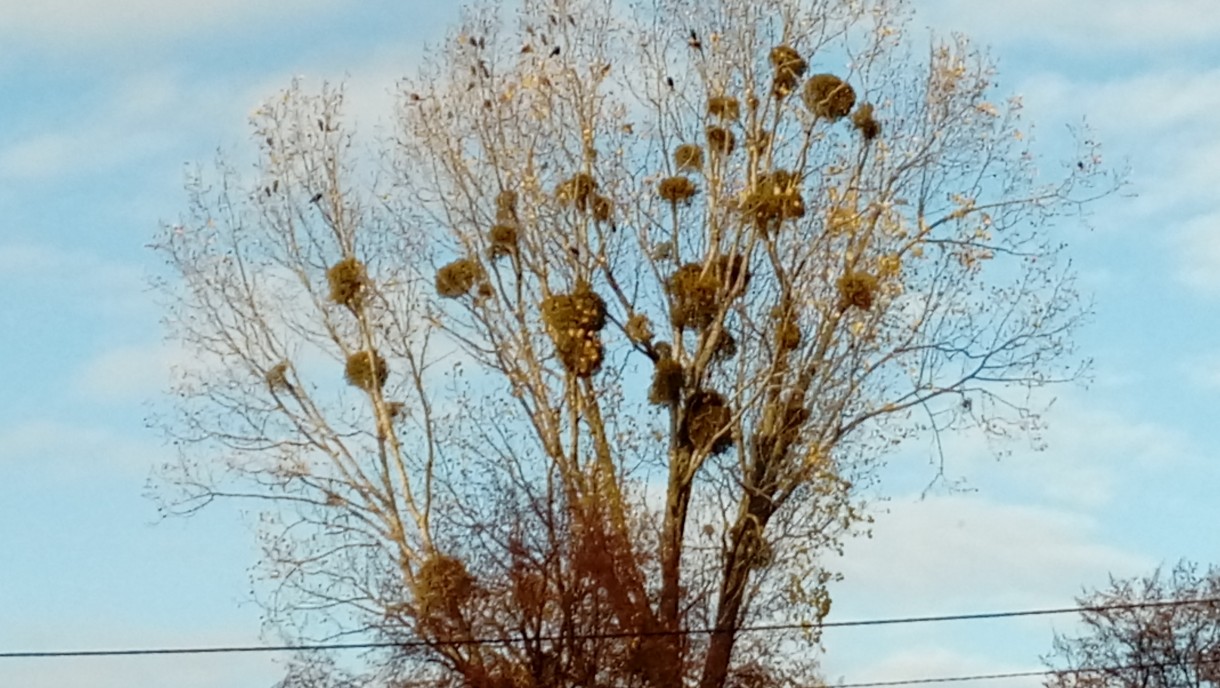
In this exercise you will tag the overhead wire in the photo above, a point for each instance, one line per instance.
(1026, 674)
(323, 647)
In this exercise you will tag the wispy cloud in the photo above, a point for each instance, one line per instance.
(132, 373)
(1198, 247)
(68, 25)
(73, 449)
(71, 278)
(1082, 26)
(963, 554)
(142, 116)
(966, 552)
(1163, 122)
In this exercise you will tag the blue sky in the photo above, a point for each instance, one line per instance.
(103, 104)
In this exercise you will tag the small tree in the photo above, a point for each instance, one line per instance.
(636, 303)
(1171, 645)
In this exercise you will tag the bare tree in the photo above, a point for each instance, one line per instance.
(1162, 631)
(636, 301)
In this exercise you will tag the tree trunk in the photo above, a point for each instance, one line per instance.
(751, 522)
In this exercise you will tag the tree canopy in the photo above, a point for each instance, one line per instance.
(1159, 631)
(594, 356)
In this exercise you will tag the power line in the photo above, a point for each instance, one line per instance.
(945, 679)
(321, 647)
(1026, 674)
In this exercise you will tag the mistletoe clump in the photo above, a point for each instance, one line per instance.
(857, 289)
(366, 370)
(775, 197)
(693, 291)
(666, 382)
(726, 347)
(502, 239)
(826, 95)
(864, 122)
(787, 328)
(577, 191)
(346, 280)
(721, 141)
(688, 157)
(733, 271)
(639, 329)
(726, 108)
(443, 586)
(457, 278)
(276, 377)
(706, 422)
(789, 68)
(574, 322)
(603, 209)
(506, 207)
(676, 189)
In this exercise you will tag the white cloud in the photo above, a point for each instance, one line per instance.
(75, 448)
(68, 25)
(79, 278)
(963, 554)
(1153, 101)
(142, 116)
(129, 373)
(1093, 450)
(1163, 122)
(1082, 26)
(24, 260)
(951, 553)
(1203, 372)
(1198, 245)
